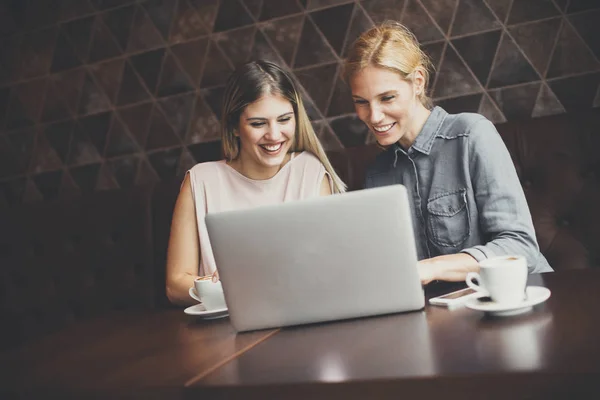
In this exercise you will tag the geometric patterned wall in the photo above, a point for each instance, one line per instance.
(101, 94)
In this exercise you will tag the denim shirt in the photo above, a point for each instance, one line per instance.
(463, 190)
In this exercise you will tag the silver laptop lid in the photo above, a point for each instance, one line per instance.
(327, 258)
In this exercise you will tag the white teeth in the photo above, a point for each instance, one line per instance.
(383, 128)
(273, 147)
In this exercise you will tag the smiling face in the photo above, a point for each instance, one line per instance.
(388, 104)
(266, 131)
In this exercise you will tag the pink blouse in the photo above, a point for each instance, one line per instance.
(217, 187)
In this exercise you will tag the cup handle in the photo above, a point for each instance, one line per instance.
(194, 295)
(473, 285)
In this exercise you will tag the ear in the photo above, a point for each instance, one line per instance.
(419, 80)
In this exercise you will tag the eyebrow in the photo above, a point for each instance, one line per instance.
(263, 119)
(379, 95)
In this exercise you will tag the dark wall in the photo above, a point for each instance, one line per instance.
(100, 94)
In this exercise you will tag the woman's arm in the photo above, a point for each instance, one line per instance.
(325, 186)
(503, 213)
(451, 267)
(504, 216)
(184, 248)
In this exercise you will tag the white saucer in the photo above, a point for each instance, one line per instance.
(200, 311)
(535, 295)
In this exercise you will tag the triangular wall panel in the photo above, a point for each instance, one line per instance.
(285, 35)
(144, 34)
(479, 51)
(454, 78)
(118, 141)
(418, 20)
(161, 13)
(192, 56)
(108, 76)
(547, 103)
(588, 27)
(571, 54)
(335, 33)
(490, 110)
(442, 12)
(119, 23)
(187, 24)
(313, 47)
(473, 16)
(510, 66)
(517, 102)
(204, 124)
(384, 10)
(236, 44)
(141, 83)
(263, 50)
(137, 120)
(537, 41)
(318, 83)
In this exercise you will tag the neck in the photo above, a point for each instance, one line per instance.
(256, 172)
(418, 119)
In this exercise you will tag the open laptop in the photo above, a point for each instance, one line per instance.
(322, 259)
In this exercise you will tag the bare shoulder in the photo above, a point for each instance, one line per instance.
(185, 198)
(199, 174)
(207, 173)
(206, 168)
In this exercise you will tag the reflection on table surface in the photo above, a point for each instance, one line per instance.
(551, 351)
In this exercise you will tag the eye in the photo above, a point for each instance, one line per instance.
(256, 124)
(360, 102)
(387, 98)
(284, 120)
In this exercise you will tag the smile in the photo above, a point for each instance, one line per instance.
(383, 128)
(272, 148)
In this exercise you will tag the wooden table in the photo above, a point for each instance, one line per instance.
(552, 352)
(438, 353)
(149, 355)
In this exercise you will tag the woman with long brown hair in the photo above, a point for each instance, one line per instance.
(272, 155)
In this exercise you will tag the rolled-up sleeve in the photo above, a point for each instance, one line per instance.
(504, 216)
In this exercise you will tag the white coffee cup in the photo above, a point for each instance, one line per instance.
(210, 293)
(504, 279)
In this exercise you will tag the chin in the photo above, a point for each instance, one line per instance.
(385, 141)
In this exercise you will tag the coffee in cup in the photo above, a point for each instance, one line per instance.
(210, 293)
(503, 279)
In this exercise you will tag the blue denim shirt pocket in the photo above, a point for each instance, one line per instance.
(448, 218)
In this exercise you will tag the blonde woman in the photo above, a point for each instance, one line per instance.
(272, 155)
(467, 203)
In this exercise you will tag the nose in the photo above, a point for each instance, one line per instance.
(375, 114)
(274, 132)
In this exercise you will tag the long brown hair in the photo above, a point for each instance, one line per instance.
(390, 46)
(249, 83)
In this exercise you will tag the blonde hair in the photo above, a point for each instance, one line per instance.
(249, 83)
(390, 46)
